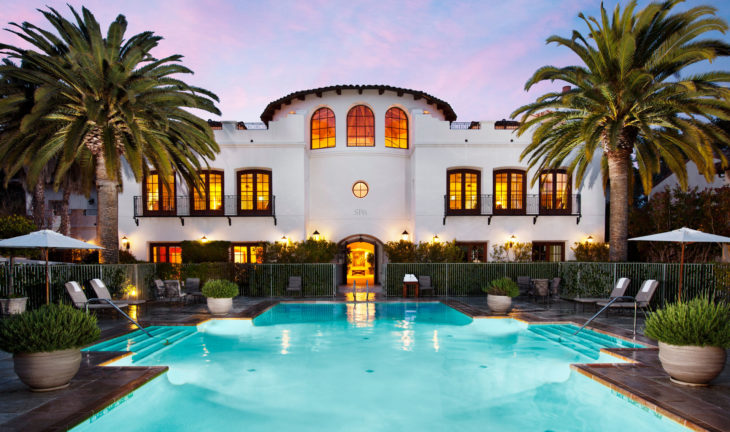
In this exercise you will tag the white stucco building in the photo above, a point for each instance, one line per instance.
(364, 164)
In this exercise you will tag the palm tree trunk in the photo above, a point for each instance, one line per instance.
(65, 227)
(39, 204)
(107, 217)
(618, 176)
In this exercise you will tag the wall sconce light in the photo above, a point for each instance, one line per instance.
(426, 112)
(512, 240)
(589, 239)
(316, 236)
(204, 239)
(125, 242)
(436, 239)
(283, 240)
(404, 235)
(292, 112)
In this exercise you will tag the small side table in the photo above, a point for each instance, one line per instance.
(407, 285)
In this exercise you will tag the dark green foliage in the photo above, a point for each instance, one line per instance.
(208, 252)
(698, 322)
(13, 226)
(405, 251)
(502, 287)
(126, 257)
(707, 210)
(308, 251)
(49, 328)
(12, 198)
(220, 288)
(590, 252)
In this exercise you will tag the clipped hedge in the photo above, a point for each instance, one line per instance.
(208, 252)
(51, 327)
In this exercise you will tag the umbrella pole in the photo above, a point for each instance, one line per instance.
(47, 282)
(681, 273)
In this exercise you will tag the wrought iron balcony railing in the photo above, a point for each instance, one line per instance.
(183, 206)
(485, 205)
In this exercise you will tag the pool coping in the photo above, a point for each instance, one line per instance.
(673, 402)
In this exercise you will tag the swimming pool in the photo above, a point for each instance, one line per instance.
(371, 367)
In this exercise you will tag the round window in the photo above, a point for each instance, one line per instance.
(360, 189)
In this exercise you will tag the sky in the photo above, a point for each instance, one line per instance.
(475, 55)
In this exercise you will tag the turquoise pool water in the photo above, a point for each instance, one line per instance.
(371, 367)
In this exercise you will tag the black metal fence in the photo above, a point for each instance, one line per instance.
(578, 279)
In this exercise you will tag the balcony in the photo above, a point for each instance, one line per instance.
(485, 207)
(181, 207)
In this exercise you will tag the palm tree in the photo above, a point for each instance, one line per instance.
(108, 99)
(629, 103)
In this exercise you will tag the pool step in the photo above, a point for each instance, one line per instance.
(577, 343)
(142, 345)
(160, 345)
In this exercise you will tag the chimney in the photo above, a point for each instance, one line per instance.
(566, 89)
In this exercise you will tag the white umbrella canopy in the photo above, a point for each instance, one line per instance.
(46, 239)
(683, 235)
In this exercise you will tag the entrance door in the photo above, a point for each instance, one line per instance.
(361, 263)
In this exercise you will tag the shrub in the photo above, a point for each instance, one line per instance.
(51, 327)
(402, 251)
(13, 226)
(220, 288)
(591, 252)
(199, 252)
(699, 322)
(502, 287)
(307, 251)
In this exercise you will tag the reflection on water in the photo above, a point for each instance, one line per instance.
(133, 311)
(361, 314)
(285, 342)
(435, 340)
(360, 296)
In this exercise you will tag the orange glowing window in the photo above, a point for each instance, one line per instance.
(166, 253)
(555, 192)
(159, 198)
(396, 128)
(254, 190)
(247, 253)
(509, 192)
(323, 129)
(210, 199)
(463, 188)
(360, 127)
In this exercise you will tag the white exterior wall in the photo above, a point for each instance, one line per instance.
(313, 187)
(694, 179)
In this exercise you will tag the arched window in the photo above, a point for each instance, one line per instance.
(360, 127)
(159, 198)
(396, 128)
(254, 190)
(323, 129)
(555, 195)
(463, 188)
(509, 191)
(209, 201)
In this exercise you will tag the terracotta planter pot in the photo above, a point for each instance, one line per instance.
(220, 306)
(46, 371)
(691, 365)
(499, 304)
(13, 305)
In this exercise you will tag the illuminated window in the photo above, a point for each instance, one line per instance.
(548, 251)
(463, 189)
(166, 253)
(254, 190)
(247, 253)
(360, 127)
(360, 189)
(210, 199)
(396, 128)
(323, 129)
(509, 192)
(159, 198)
(555, 192)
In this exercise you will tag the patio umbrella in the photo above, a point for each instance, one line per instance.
(684, 236)
(46, 239)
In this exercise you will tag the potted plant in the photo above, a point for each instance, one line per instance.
(46, 344)
(13, 304)
(692, 338)
(499, 294)
(219, 294)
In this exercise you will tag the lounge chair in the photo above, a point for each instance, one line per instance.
(525, 285)
(424, 284)
(159, 289)
(192, 289)
(102, 292)
(555, 287)
(295, 285)
(80, 300)
(642, 299)
(542, 289)
(618, 291)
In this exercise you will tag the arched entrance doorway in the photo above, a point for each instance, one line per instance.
(363, 259)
